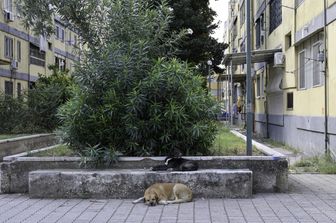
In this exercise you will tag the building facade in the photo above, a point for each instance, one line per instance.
(294, 76)
(23, 55)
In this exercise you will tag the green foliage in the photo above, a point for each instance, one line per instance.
(44, 99)
(127, 99)
(13, 115)
(227, 144)
(166, 110)
(322, 164)
(35, 111)
(61, 150)
(199, 46)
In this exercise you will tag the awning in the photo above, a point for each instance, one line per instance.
(258, 56)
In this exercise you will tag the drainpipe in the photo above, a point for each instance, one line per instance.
(266, 76)
(28, 60)
(249, 111)
(326, 138)
(231, 93)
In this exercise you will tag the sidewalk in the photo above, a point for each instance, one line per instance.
(312, 198)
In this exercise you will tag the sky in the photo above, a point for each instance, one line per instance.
(221, 8)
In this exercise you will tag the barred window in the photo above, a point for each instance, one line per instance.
(302, 69)
(242, 13)
(275, 14)
(316, 65)
(37, 57)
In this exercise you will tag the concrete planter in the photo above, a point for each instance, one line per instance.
(270, 173)
(26, 144)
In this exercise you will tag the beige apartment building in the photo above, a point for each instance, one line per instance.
(23, 55)
(294, 77)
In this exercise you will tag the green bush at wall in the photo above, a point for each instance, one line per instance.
(35, 111)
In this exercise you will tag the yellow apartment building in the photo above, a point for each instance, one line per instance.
(294, 76)
(23, 55)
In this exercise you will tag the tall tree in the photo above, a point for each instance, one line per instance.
(199, 46)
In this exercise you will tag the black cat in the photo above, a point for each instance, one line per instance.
(177, 164)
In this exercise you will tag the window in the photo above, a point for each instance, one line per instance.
(37, 57)
(288, 41)
(9, 88)
(75, 40)
(8, 47)
(234, 30)
(242, 14)
(302, 69)
(260, 31)
(298, 2)
(19, 90)
(262, 90)
(275, 14)
(59, 32)
(257, 31)
(316, 65)
(18, 49)
(290, 101)
(60, 63)
(260, 85)
(50, 46)
(8, 5)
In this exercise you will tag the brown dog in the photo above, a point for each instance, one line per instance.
(166, 193)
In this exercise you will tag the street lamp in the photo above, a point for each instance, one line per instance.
(209, 62)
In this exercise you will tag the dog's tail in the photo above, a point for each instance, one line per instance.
(138, 200)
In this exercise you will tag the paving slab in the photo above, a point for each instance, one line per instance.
(311, 198)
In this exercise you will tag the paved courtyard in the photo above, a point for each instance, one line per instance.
(312, 198)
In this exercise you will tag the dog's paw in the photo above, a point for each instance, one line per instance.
(164, 202)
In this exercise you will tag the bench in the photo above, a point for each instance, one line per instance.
(131, 183)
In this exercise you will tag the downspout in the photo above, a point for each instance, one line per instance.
(231, 94)
(326, 138)
(28, 59)
(266, 78)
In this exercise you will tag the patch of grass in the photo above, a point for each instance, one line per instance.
(62, 150)
(273, 143)
(321, 164)
(11, 136)
(227, 144)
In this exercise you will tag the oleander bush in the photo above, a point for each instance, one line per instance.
(133, 97)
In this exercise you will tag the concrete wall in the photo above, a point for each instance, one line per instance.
(25, 144)
(302, 132)
(270, 174)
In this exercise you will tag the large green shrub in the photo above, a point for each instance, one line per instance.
(166, 110)
(128, 100)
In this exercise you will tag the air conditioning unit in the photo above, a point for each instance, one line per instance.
(279, 59)
(14, 65)
(9, 16)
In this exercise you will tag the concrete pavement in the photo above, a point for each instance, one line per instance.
(312, 198)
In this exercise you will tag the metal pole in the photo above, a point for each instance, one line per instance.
(248, 81)
(231, 94)
(326, 138)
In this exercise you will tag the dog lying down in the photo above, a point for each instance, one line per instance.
(166, 193)
(177, 164)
